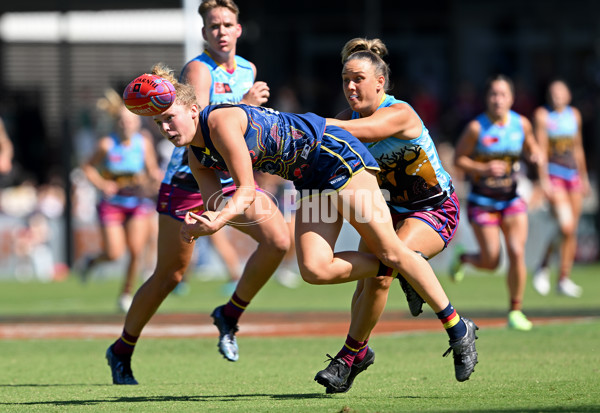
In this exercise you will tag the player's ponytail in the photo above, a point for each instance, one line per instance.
(359, 44)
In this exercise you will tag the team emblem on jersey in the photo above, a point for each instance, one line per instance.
(221, 87)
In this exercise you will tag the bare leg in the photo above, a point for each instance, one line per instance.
(173, 258)
(362, 204)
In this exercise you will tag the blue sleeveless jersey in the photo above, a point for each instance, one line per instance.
(279, 143)
(562, 128)
(226, 88)
(411, 170)
(498, 142)
(124, 164)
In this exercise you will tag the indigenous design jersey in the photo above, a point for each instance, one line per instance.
(411, 170)
(562, 128)
(226, 88)
(283, 144)
(498, 142)
(125, 165)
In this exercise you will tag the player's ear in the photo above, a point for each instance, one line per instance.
(238, 30)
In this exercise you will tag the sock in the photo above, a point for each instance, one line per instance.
(360, 356)
(235, 307)
(125, 345)
(515, 305)
(454, 325)
(386, 271)
(350, 350)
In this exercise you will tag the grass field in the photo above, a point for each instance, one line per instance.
(554, 368)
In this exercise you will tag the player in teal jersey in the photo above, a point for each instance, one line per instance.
(121, 168)
(557, 128)
(421, 200)
(489, 151)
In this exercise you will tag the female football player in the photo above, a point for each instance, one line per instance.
(421, 200)
(489, 151)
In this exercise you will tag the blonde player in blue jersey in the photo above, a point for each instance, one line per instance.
(421, 200)
(557, 128)
(218, 75)
(489, 151)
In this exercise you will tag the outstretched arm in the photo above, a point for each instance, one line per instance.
(398, 120)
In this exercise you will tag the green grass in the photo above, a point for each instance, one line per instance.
(554, 368)
(475, 294)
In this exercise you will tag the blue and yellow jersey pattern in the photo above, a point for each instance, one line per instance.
(279, 143)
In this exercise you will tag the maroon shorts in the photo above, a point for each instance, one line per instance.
(117, 214)
(176, 202)
(568, 185)
(493, 215)
(443, 219)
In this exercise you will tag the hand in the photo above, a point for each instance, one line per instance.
(110, 188)
(497, 168)
(195, 225)
(257, 95)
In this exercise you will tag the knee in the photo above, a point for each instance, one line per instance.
(167, 280)
(315, 274)
(280, 244)
(377, 284)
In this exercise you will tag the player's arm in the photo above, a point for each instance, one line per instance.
(580, 154)
(398, 120)
(6, 150)
(535, 154)
(540, 118)
(90, 167)
(150, 158)
(227, 128)
(197, 74)
(210, 187)
(259, 92)
(465, 147)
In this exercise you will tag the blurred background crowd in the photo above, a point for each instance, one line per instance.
(57, 58)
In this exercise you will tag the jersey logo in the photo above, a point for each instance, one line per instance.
(489, 140)
(221, 88)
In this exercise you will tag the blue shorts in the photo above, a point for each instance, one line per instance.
(341, 157)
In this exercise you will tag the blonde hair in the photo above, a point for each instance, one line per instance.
(186, 95)
(372, 50)
(208, 5)
(111, 103)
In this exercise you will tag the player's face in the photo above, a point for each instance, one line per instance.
(129, 123)
(362, 87)
(559, 95)
(499, 98)
(221, 30)
(177, 124)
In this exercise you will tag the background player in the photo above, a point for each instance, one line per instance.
(557, 128)
(489, 151)
(125, 169)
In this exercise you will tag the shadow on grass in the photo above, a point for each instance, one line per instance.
(151, 399)
(241, 397)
